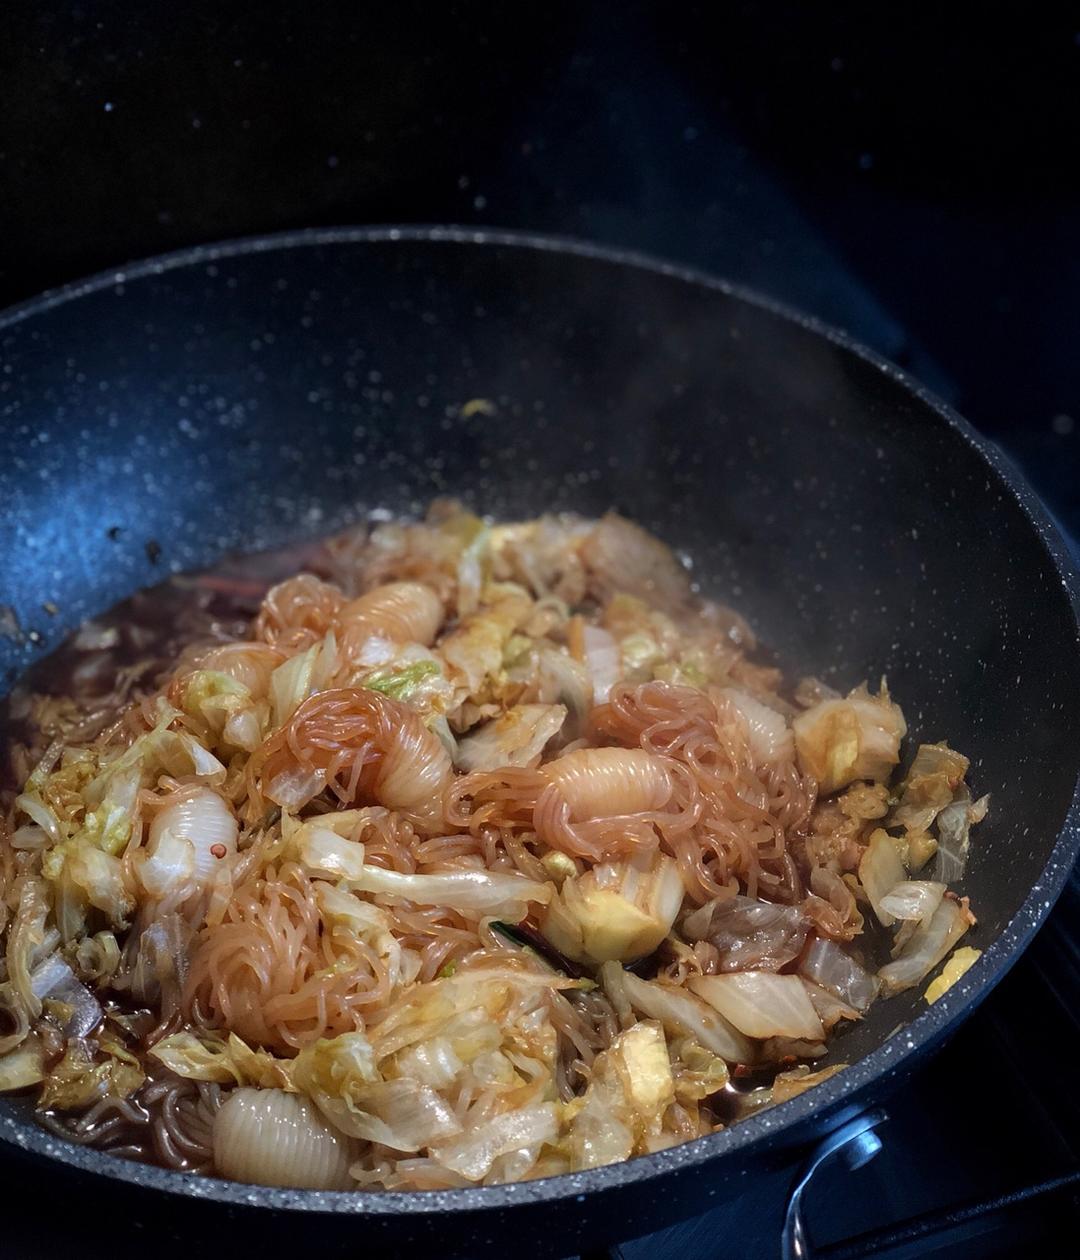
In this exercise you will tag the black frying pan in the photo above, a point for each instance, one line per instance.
(246, 395)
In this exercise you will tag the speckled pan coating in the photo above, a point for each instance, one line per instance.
(246, 394)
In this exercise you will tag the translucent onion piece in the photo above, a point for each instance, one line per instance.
(270, 1138)
(761, 1004)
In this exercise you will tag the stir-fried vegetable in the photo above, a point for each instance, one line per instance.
(616, 910)
(23, 1066)
(478, 853)
(839, 741)
(748, 933)
(472, 892)
(929, 944)
(960, 962)
(831, 967)
(880, 872)
(516, 738)
(929, 786)
(954, 825)
(680, 1012)
(762, 1004)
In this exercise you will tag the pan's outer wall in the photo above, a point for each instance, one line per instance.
(246, 398)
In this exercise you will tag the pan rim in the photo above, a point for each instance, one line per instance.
(837, 1097)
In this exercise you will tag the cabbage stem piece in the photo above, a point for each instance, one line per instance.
(615, 911)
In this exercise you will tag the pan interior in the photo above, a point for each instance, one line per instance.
(245, 400)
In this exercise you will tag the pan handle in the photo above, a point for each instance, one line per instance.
(857, 1143)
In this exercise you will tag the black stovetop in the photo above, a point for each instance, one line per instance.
(910, 180)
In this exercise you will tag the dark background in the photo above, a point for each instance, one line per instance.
(910, 172)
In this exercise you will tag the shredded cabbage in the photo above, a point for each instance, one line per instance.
(339, 1075)
(935, 775)
(799, 1080)
(323, 845)
(472, 1154)
(913, 899)
(621, 1112)
(87, 1074)
(747, 933)
(954, 825)
(834, 969)
(23, 1066)
(603, 661)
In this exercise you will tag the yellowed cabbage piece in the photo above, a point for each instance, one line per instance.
(515, 738)
(25, 1065)
(82, 1077)
(960, 962)
(225, 1062)
(799, 1080)
(618, 910)
(929, 786)
(839, 741)
(621, 1112)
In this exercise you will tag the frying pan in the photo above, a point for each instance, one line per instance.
(245, 395)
